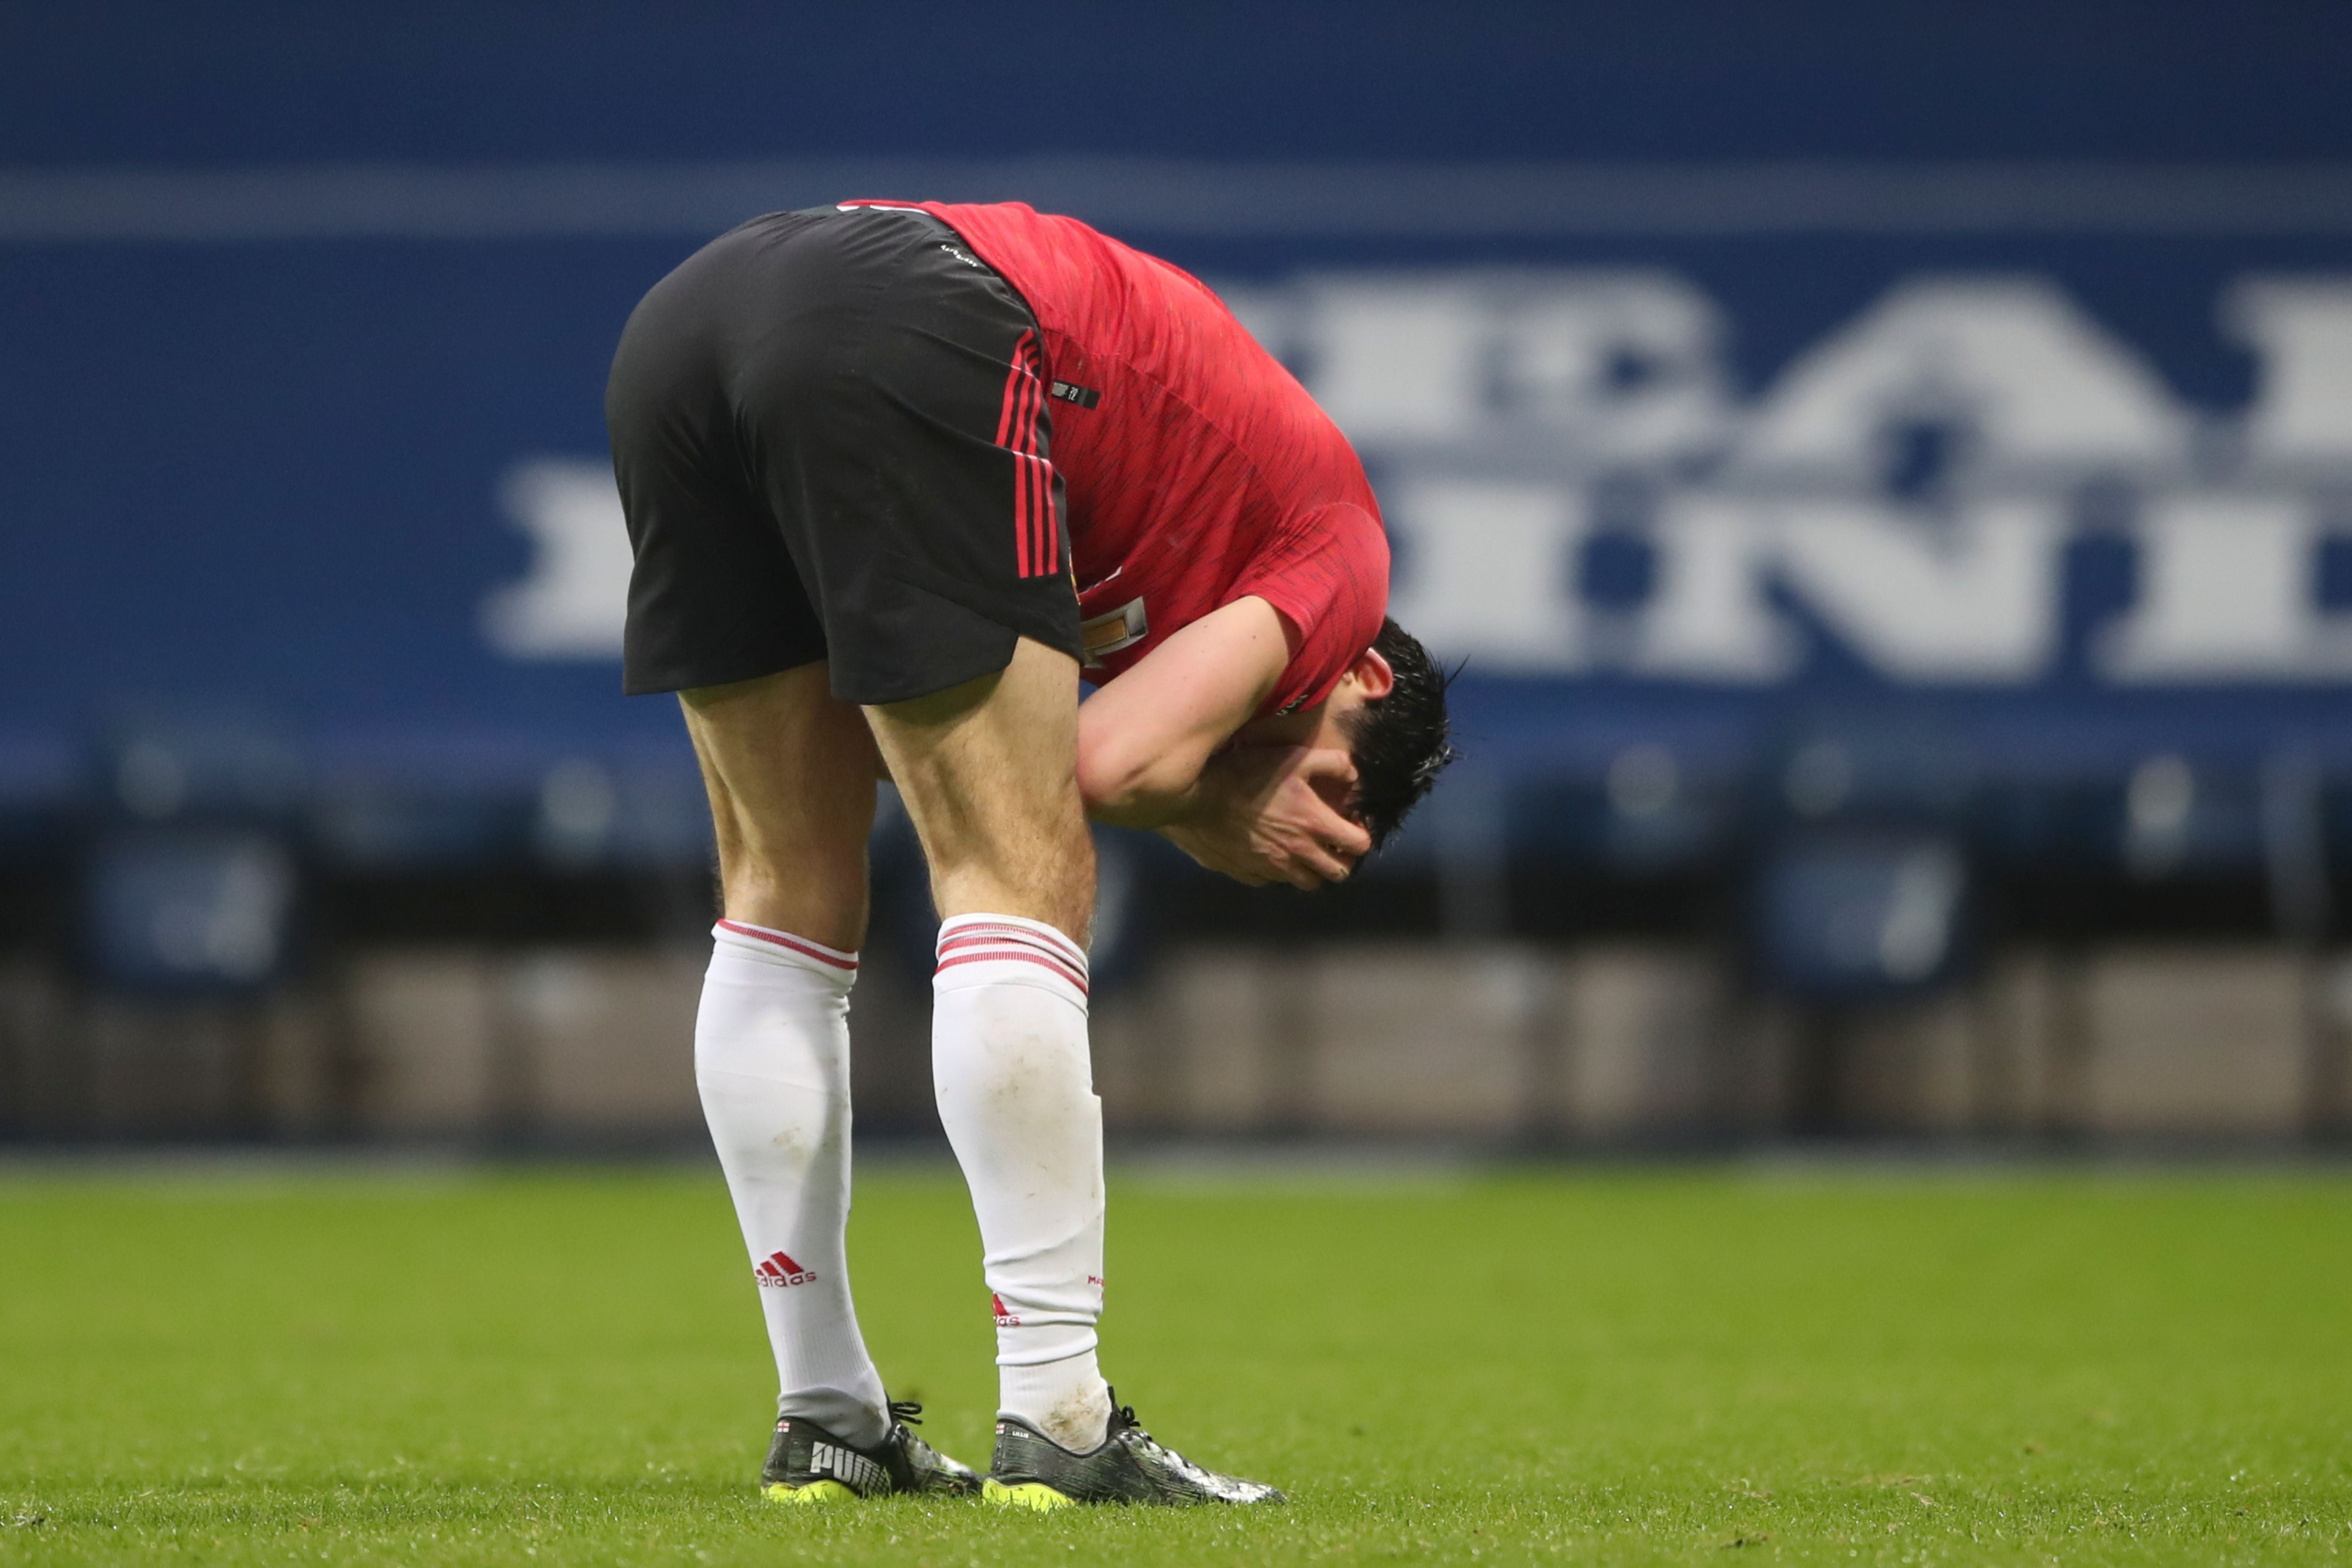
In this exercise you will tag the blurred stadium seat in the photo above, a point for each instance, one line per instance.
(189, 910)
(190, 881)
(1863, 884)
(1858, 915)
(42, 794)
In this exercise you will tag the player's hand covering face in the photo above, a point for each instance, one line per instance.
(1271, 814)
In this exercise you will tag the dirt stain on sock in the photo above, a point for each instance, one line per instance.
(1078, 1418)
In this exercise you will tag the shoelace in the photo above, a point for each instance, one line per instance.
(904, 1416)
(1122, 1418)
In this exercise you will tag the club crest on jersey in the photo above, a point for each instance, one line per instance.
(1106, 634)
(1071, 391)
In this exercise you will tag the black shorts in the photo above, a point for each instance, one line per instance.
(832, 443)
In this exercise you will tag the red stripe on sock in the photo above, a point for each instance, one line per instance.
(955, 940)
(986, 947)
(1038, 959)
(1022, 956)
(998, 938)
(777, 938)
(1053, 940)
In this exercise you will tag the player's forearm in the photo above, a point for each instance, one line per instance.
(1127, 786)
(1145, 739)
(1149, 816)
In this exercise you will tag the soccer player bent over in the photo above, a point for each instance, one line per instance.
(892, 475)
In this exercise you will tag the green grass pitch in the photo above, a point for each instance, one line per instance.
(565, 1367)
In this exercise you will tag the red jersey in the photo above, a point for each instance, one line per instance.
(1196, 469)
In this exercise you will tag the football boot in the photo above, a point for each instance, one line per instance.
(1031, 1470)
(807, 1464)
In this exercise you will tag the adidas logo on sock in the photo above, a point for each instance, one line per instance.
(1005, 1317)
(777, 1270)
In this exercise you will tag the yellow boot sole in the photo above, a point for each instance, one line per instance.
(808, 1496)
(1035, 1496)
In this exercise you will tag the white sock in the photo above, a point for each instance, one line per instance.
(1016, 1094)
(771, 1059)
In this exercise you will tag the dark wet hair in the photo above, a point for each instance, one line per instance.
(1399, 741)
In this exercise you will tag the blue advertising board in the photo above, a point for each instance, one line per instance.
(1632, 433)
(1714, 406)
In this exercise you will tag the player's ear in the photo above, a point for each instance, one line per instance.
(1374, 675)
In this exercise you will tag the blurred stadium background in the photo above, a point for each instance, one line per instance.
(1887, 472)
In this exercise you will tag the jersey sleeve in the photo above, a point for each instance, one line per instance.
(1329, 578)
